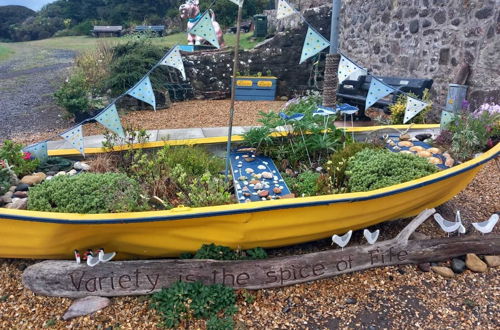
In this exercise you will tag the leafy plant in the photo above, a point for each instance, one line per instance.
(5, 179)
(373, 169)
(75, 95)
(219, 252)
(304, 184)
(87, 193)
(22, 163)
(186, 301)
(398, 109)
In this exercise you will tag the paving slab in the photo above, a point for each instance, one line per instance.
(180, 134)
(222, 131)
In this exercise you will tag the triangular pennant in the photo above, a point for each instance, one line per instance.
(204, 28)
(446, 118)
(377, 91)
(237, 2)
(413, 107)
(347, 68)
(143, 91)
(313, 44)
(173, 58)
(39, 150)
(284, 9)
(75, 138)
(110, 119)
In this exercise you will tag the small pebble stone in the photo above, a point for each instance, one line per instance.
(492, 261)
(443, 271)
(21, 194)
(351, 301)
(22, 187)
(458, 265)
(424, 267)
(475, 264)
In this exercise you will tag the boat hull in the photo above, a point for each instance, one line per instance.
(45, 235)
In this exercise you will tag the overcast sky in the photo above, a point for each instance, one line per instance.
(33, 4)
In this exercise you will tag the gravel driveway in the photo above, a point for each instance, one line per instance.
(27, 82)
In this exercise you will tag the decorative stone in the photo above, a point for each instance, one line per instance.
(277, 190)
(351, 301)
(49, 178)
(287, 196)
(475, 264)
(81, 166)
(18, 204)
(261, 167)
(249, 159)
(263, 193)
(267, 175)
(249, 170)
(21, 194)
(85, 306)
(443, 271)
(72, 172)
(60, 173)
(13, 188)
(458, 265)
(33, 179)
(424, 267)
(258, 186)
(242, 178)
(492, 261)
(254, 181)
(22, 187)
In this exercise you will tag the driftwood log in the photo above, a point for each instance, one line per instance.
(121, 278)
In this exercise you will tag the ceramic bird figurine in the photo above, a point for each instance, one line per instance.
(343, 240)
(487, 226)
(105, 257)
(458, 218)
(91, 260)
(447, 226)
(77, 256)
(370, 237)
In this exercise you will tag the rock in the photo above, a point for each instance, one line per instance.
(267, 175)
(443, 271)
(18, 204)
(21, 194)
(424, 267)
(475, 264)
(249, 159)
(414, 26)
(33, 179)
(287, 196)
(458, 265)
(7, 198)
(48, 178)
(258, 186)
(22, 187)
(263, 193)
(85, 306)
(254, 181)
(284, 98)
(81, 166)
(492, 261)
(60, 173)
(72, 172)
(351, 301)
(13, 188)
(404, 137)
(277, 190)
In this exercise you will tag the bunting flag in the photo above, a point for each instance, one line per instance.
(75, 138)
(347, 68)
(143, 91)
(39, 150)
(413, 107)
(109, 118)
(446, 118)
(284, 9)
(204, 28)
(313, 44)
(237, 2)
(173, 58)
(377, 91)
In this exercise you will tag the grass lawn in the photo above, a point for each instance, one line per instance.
(5, 52)
(83, 43)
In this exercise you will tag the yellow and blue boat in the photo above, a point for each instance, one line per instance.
(155, 234)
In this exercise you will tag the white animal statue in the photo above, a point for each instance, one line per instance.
(191, 11)
(487, 226)
(450, 226)
(343, 240)
(370, 237)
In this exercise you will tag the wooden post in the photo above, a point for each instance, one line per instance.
(331, 82)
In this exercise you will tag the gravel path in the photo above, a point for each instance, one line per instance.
(27, 82)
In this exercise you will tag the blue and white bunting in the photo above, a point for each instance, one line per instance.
(75, 138)
(39, 150)
(110, 119)
(313, 44)
(204, 28)
(143, 91)
(173, 58)
(347, 68)
(239, 3)
(413, 107)
(377, 91)
(284, 9)
(446, 118)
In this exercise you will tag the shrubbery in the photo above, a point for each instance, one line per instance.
(373, 169)
(87, 193)
(22, 163)
(398, 109)
(305, 184)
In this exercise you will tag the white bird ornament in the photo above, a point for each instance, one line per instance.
(487, 226)
(105, 257)
(370, 237)
(343, 240)
(447, 226)
(77, 256)
(91, 260)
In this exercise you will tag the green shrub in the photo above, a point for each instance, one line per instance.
(75, 95)
(219, 252)
(194, 160)
(5, 180)
(398, 109)
(20, 161)
(185, 301)
(87, 193)
(373, 169)
(305, 184)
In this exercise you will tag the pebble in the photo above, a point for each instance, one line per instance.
(22, 187)
(249, 170)
(277, 190)
(261, 167)
(267, 175)
(458, 265)
(81, 166)
(85, 306)
(60, 173)
(263, 193)
(72, 172)
(50, 177)
(12, 189)
(424, 267)
(258, 186)
(18, 204)
(351, 301)
(492, 261)
(21, 194)
(33, 179)
(475, 264)
(443, 271)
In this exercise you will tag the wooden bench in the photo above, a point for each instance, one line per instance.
(158, 29)
(354, 92)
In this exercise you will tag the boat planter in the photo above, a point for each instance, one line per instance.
(254, 88)
(154, 234)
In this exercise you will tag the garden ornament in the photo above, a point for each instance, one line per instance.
(191, 11)
(487, 226)
(91, 260)
(371, 238)
(343, 240)
(77, 256)
(449, 226)
(105, 257)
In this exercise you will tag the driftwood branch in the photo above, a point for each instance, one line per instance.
(120, 278)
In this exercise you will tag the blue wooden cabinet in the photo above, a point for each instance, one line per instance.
(252, 88)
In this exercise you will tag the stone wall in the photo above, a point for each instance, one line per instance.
(447, 40)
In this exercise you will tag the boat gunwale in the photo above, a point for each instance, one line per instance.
(140, 217)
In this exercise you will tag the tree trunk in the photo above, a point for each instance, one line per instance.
(331, 81)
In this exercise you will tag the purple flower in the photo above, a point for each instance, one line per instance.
(465, 105)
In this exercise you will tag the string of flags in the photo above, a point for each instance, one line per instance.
(314, 43)
(205, 29)
(108, 117)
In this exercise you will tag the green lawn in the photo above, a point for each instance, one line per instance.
(5, 52)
